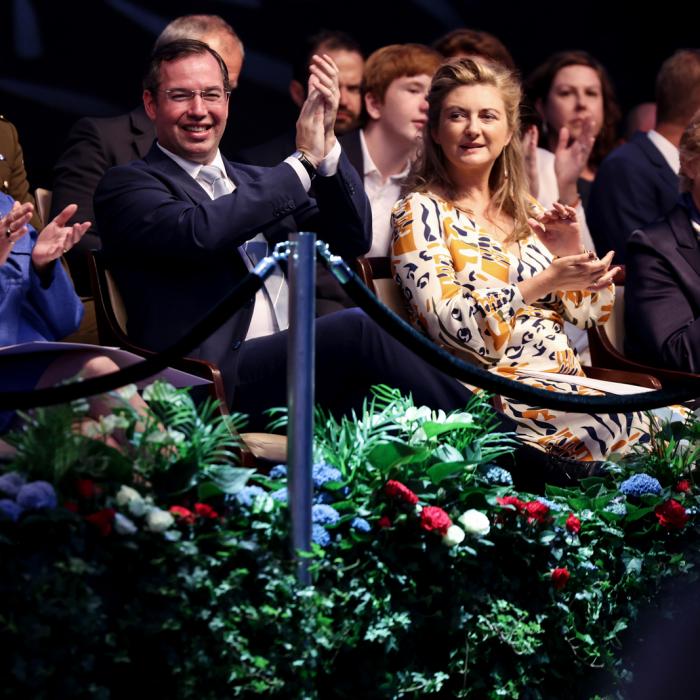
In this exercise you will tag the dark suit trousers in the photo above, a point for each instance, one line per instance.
(352, 354)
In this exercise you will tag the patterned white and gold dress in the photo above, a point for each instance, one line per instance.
(461, 286)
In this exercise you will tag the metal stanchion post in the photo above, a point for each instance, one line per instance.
(300, 390)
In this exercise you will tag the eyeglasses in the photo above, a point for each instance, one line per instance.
(182, 95)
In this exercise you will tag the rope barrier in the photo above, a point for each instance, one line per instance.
(396, 326)
(241, 293)
(449, 364)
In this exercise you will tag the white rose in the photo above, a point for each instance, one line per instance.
(126, 496)
(158, 520)
(475, 523)
(453, 536)
(124, 526)
(460, 418)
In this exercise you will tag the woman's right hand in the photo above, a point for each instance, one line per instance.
(568, 274)
(571, 158)
(13, 226)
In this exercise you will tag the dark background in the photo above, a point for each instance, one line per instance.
(63, 60)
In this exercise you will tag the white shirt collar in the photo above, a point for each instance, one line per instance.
(369, 166)
(667, 149)
(192, 169)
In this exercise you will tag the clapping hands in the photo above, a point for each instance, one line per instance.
(13, 226)
(56, 238)
(315, 134)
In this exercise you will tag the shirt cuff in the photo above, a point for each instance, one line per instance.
(329, 165)
(300, 170)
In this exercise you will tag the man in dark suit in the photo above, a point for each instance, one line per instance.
(638, 183)
(662, 310)
(178, 227)
(96, 144)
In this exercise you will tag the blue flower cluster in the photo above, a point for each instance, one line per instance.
(247, 495)
(323, 473)
(640, 485)
(34, 495)
(320, 535)
(279, 471)
(498, 476)
(616, 508)
(324, 514)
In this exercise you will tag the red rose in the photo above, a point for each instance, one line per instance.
(671, 515)
(183, 515)
(205, 511)
(511, 501)
(395, 489)
(573, 524)
(537, 512)
(384, 522)
(683, 486)
(434, 519)
(102, 520)
(560, 577)
(86, 488)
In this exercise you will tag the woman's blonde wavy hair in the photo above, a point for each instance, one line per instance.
(507, 181)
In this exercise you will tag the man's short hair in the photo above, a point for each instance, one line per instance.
(472, 42)
(397, 61)
(678, 87)
(196, 27)
(171, 52)
(331, 40)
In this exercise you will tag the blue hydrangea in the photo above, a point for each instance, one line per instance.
(323, 473)
(361, 524)
(324, 514)
(36, 495)
(280, 495)
(324, 497)
(616, 508)
(499, 476)
(11, 483)
(9, 509)
(320, 535)
(279, 471)
(640, 485)
(555, 507)
(247, 495)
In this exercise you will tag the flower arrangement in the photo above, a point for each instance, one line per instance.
(167, 567)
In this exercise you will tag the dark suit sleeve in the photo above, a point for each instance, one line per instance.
(623, 198)
(78, 171)
(145, 210)
(662, 328)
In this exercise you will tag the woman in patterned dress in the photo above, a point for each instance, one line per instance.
(491, 276)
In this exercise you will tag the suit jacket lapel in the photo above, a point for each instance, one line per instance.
(174, 172)
(353, 150)
(686, 238)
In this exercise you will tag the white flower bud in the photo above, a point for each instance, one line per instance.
(453, 536)
(475, 523)
(158, 520)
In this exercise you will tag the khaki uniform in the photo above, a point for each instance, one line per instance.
(13, 178)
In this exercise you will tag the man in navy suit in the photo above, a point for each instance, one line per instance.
(638, 182)
(96, 144)
(181, 226)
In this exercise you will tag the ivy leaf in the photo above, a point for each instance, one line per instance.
(229, 479)
(394, 453)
